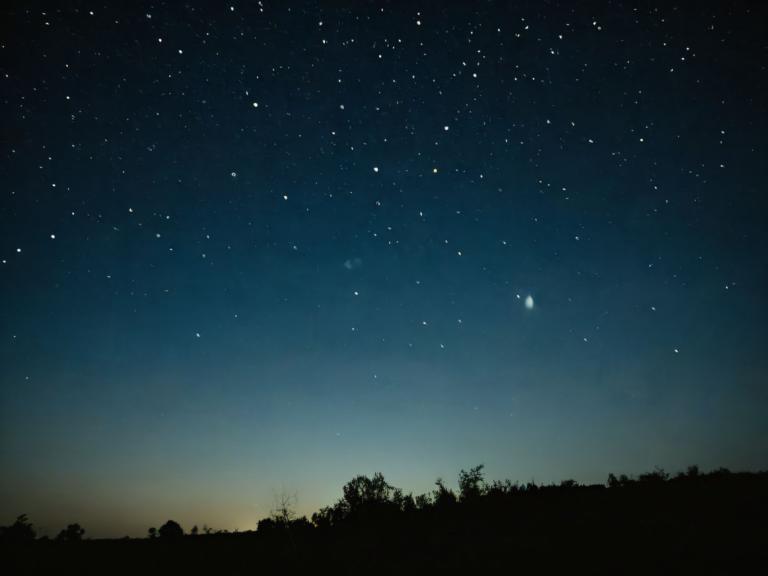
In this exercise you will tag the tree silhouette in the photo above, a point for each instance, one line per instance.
(363, 491)
(443, 496)
(20, 531)
(658, 476)
(471, 483)
(283, 514)
(171, 530)
(72, 533)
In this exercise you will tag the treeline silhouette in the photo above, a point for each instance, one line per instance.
(704, 523)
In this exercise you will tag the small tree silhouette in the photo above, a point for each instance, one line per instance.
(20, 531)
(443, 496)
(72, 533)
(171, 530)
(471, 483)
(658, 476)
(363, 491)
(283, 513)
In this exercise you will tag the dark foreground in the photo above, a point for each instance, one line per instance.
(714, 523)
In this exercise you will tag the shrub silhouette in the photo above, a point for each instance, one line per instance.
(171, 530)
(443, 497)
(362, 491)
(72, 533)
(471, 484)
(20, 531)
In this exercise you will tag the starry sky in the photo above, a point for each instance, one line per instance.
(257, 248)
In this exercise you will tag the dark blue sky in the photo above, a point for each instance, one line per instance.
(259, 247)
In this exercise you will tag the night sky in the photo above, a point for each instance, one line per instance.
(257, 248)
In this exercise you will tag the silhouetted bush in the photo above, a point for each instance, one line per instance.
(72, 533)
(170, 530)
(471, 484)
(20, 531)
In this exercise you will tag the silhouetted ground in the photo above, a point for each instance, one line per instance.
(712, 523)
